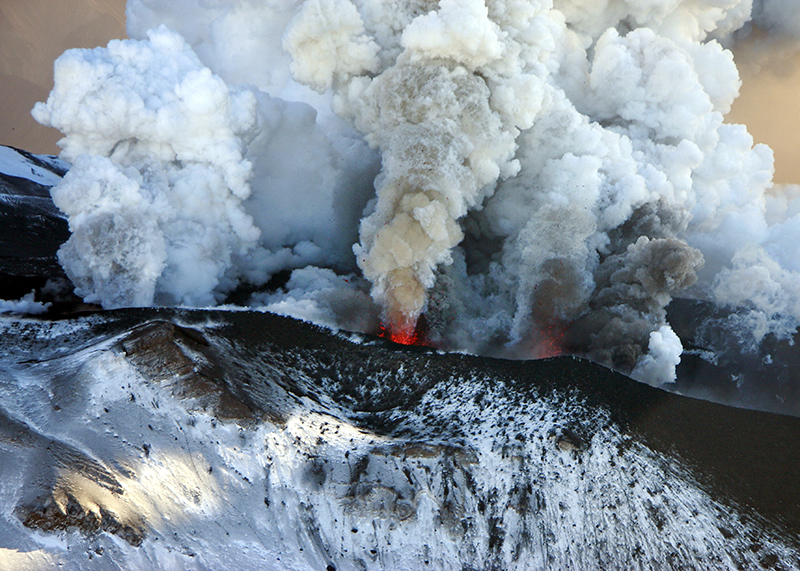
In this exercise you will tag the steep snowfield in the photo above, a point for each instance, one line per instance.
(176, 439)
(31, 227)
(43, 170)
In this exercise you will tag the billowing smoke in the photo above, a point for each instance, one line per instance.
(526, 177)
(154, 196)
(444, 110)
(782, 16)
(159, 197)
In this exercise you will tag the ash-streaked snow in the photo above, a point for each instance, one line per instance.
(47, 172)
(142, 439)
(32, 227)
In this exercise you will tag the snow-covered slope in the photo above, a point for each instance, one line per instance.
(42, 170)
(175, 439)
(32, 227)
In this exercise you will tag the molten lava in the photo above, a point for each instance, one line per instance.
(409, 334)
(550, 341)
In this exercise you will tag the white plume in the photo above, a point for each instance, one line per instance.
(154, 198)
(529, 176)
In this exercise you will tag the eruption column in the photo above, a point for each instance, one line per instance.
(541, 163)
(441, 106)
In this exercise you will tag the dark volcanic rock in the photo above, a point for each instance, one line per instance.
(61, 510)
(180, 358)
(722, 362)
(32, 227)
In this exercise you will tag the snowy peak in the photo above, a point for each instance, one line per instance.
(33, 229)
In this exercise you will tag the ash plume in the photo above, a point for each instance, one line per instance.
(531, 177)
(429, 110)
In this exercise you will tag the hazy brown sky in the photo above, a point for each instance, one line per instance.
(34, 32)
(769, 101)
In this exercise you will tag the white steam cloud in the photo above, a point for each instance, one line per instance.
(528, 176)
(154, 196)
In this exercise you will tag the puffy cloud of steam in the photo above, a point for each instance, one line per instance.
(532, 176)
(154, 197)
(322, 296)
(330, 44)
(239, 40)
(663, 355)
(25, 305)
(159, 198)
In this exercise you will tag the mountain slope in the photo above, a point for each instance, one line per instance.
(209, 438)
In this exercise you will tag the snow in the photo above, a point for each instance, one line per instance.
(14, 164)
(478, 472)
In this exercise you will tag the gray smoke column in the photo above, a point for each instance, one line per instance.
(444, 110)
(532, 177)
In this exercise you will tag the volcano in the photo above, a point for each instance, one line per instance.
(363, 285)
(208, 438)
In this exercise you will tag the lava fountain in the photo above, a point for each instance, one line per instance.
(406, 333)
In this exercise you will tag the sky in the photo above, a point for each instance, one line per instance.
(768, 102)
(33, 33)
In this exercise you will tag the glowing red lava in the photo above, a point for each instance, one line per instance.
(551, 341)
(416, 335)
